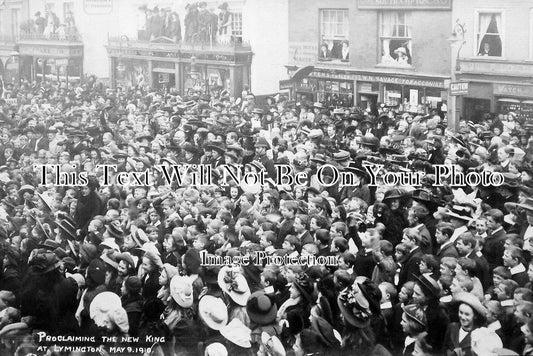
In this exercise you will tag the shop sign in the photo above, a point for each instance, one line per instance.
(459, 88)
(405, 4)
(401, 81)
(494, 68)
(332, 75)
(11, 101)
(97, 7)
(62, 62)
(303, 52)
(516, 90)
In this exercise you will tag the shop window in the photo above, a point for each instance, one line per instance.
(489, 34)
(396, 42)
(334, 29)
(237, 25)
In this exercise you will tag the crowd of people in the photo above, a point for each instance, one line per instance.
(200, 24)
(423, 270)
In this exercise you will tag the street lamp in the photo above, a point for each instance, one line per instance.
(121, 67)
(457, 38)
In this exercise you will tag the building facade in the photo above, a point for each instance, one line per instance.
(367, 52)
(496, 58)
(11, 14)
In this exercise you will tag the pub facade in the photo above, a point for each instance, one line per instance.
(369, 52)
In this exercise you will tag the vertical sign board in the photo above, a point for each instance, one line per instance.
(97, 7)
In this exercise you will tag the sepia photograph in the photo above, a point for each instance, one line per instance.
(266, 177)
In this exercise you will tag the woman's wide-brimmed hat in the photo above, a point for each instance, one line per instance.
(261, 308)
(472, 301)
(237, 333)
(103, 304)
(181, 291)
(233, 283)
(213, 312)
(304, 284)
(354, 306)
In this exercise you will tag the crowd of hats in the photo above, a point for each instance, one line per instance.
(128, 259)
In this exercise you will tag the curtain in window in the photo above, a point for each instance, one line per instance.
(484, 22)
(388, 20)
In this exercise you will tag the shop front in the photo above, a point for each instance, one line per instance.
(43, 59)
(348, 88)
(184, 68)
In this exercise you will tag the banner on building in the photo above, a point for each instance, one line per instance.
(97, 7)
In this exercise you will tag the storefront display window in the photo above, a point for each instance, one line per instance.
(392, 95)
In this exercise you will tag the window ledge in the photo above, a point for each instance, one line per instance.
(334, 61)
(408, 67)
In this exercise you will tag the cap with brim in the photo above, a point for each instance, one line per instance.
(472, 301)
(50, 244)
(216, 146)
(415, 313)
(429, 285)
(394, 193)
(213, 312)
(111, 244)
(26, 188)
(341, 155)
(47, 201)
(458, 212)
(115, 230)
(126, 257)
(232, 155)
(109, 261)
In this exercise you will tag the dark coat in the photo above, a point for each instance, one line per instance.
(448, 251)
(410, 267)
(451, 341)
(493, 249)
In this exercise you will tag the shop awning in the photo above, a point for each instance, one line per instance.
(302, 73)
(506, 100)
(528, 102)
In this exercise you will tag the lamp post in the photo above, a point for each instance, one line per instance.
(121, 67)
(13, 58)
(458, 38)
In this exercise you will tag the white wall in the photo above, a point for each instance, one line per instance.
(266, 27)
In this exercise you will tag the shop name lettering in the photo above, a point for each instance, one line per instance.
(202, 176)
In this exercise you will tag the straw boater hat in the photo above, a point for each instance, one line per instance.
(181, 291)
(102, 304)
(237, 333)
(472, 301)
(272, 344)
(458, 212)
(415, 313)
(234, 284)
(213, 312)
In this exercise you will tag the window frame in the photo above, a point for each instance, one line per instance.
(234, 31)
(475, 33)
(321, 33)
(407, 30)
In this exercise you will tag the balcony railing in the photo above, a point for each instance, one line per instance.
(233, 45)
(50, 37)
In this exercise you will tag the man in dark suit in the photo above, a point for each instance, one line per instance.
(512, 259)
(410, 267)
(416, 217)
(494, 244)
(442, 236)
(467, 247)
